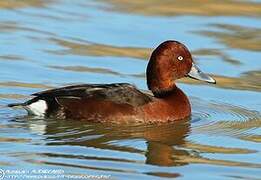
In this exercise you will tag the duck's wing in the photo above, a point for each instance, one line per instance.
(120, 93)
(53, 102)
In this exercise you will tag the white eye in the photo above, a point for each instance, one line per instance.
(180, 58)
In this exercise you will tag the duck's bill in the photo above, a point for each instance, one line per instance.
(196, 73)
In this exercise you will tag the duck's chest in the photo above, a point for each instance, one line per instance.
(173, 107)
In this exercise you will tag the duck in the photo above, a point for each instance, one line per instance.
(123, 102)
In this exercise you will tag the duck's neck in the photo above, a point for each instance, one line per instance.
(165, 92)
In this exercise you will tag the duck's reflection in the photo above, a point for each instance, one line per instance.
(162, 140)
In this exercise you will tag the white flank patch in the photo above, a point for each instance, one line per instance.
(37, 108)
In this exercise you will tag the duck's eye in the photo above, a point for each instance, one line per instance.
(180, 58)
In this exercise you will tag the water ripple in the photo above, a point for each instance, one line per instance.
(226, 119)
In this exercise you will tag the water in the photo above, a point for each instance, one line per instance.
(47, 44)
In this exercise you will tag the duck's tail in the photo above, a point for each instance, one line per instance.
(34, 106)
(23, 104)
(15, 104)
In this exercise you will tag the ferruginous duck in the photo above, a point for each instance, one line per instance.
(123, 102)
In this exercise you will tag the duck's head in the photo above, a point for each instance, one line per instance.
(171, 60)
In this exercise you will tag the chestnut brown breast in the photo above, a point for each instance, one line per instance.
(172, 106)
